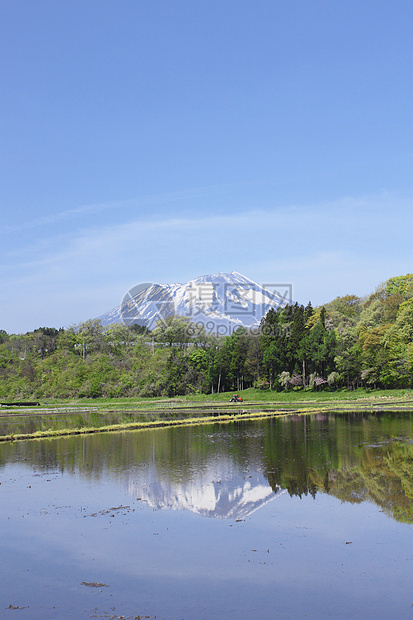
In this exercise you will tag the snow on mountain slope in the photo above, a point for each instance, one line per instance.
(220, 301)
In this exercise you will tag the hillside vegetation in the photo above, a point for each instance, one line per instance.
(350, 342)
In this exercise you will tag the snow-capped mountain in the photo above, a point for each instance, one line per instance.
(220, 301)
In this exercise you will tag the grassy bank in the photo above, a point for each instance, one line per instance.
(265, 396)
(221, 419)
(84, 416)
(249, 396)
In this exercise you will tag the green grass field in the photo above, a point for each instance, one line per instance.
(132, 413)
(249, 396)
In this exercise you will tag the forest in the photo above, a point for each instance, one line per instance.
(347, 343)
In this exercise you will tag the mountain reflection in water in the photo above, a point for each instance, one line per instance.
(232, 470)
(208, 495)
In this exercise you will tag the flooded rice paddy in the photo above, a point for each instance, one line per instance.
(298, 516)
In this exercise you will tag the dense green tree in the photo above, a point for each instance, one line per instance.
(397, 342)
(318, 348)
(274, 331)
(174, 330)
(403, 285)
(296, 334)
(344, 312)
(348, 357)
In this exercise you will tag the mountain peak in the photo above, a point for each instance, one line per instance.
(220, 301)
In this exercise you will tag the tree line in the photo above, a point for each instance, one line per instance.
(347, 343)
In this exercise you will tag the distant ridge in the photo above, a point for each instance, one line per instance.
(220, 301)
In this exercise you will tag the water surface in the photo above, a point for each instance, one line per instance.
(307, 517)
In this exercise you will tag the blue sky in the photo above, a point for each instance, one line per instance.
(159, 141)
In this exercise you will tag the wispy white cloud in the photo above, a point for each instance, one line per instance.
(325, 250)
(142, 203)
